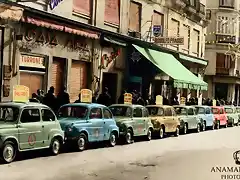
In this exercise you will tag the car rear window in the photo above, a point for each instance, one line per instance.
(9, 114)
(123, 111)
(180, 110)
(200, 110)
(73, 111)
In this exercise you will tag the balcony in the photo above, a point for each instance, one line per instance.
(191, 6)
(226, 4)
(202, 11)
(177, 4)
(222, 71)
(225, 39)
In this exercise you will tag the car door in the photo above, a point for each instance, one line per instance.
(48, 124)
(169, 120)
(138, 120)
(30, 129)
(192, 119)
(146, 119)
(209, 116)
(108, 121)
(97, 124)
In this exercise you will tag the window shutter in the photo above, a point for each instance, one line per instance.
(134, 17)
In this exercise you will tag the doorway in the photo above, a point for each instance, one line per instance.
(109, 80)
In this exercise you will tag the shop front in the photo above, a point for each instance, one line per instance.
(52, 54)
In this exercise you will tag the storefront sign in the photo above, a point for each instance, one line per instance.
(183, 101)
(86, 95)
(127, 98)
(54, 3)
(170, 40)
(20, 93)
(32, 61)
(159, 100)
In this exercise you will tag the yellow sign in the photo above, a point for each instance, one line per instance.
(159, 100)
(20, 93)
(182, 101)
(127, 98)
(86, 96)
(214, 102)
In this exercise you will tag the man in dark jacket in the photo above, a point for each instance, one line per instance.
(63, 97)
(105, 98)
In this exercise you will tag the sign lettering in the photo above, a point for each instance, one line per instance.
(127, 98)
(20, 93)
(107, 59)
(170, 40)
(86, 95)
(32, 61)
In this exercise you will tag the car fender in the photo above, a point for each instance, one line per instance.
(114, 128)
(6, 138)
(55, 132)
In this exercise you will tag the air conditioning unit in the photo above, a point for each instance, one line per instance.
(135, 34)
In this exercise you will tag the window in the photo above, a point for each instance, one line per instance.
(73, 111)
(215, 110)
(121, 111)
(137, 112)
(208, 111)
(135, 16)
(226, 25)
(145, 112)
(226, 3)
(195, 39)
(174, 29)
(158, 19)
(190, 112)
(47, 115)
(155, 111)
(223, 61)
(186, 34)
(107, 114)
(9, 114)
(112, 11)
(82, 7)
(30, 116)
(200, 110)
(168, 112)
(96, 113)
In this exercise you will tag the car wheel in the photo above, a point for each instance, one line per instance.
(9, 152)
(112, 139)
(185, 129)
(129, 136)
(177, 131)
(82, 142)
(55, 146)
(149, 135)
(204, 126)
(198, 128)
(161, 132)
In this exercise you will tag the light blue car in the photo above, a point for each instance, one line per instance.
(206, 115)
(85, 123)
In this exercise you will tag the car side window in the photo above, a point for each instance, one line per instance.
(208, 111)
(47, 115)
(137, 112)
(95, 113)
(107, 114)
(30, 116)
(190, 111)
(145, 112)
(168, 112)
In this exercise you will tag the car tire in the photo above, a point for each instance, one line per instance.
(161, 132)
(55, 146)
(185, 128)
(82, 142)
(8, 152)
(129, 137)
(198, 128)
(176, 134)
(204, 126)
(149, 135)
(112, 139)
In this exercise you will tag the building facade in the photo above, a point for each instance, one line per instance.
(222, 39)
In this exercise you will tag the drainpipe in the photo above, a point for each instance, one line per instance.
(1, 62)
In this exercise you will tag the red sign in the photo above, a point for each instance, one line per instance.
(31, 139)
(112, 14)
(82, 7)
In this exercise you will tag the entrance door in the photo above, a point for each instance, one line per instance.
(110, 81)
(58, 74)
(32, 81)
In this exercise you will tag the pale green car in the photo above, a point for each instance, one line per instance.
(26, 127)
(232, 115)
(238, 112)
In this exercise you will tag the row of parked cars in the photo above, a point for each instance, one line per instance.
(31, 126)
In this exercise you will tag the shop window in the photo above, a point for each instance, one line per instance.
(135, 16)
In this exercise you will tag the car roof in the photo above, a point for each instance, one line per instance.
(162, 106)
(87, 105)
(217, 107)
(204, 106)
(22, 104)
(127, 105)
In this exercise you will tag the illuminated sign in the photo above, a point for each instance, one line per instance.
(54, 3)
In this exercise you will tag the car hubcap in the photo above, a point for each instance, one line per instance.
(161, 133)
(128, 137)
(113, 140)
(56, 146)
(218, 125)
(8, 153)
(204, 127)
(149, 134)
(198, 128)
(185, 129)
(81, 143)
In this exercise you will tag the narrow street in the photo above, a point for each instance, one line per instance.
(185, 157)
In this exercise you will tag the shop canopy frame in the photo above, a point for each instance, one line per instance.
(182, 77)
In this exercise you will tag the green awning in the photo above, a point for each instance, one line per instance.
(115, 41)
(194, 60)
(183, 78)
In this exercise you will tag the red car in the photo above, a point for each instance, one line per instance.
(220, 116)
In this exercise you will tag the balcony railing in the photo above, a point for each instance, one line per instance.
(202, 9)
(222, 71)
(226, 4)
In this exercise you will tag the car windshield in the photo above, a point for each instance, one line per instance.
(155, 111)
(200, 110)
(73, 111)
(228, 110)
(9, 114)
(215, 110)
(121, 111)
(180, 110)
